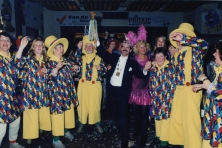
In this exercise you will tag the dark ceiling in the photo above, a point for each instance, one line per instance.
(123, 5)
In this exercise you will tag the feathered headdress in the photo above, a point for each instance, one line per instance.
(134, 38)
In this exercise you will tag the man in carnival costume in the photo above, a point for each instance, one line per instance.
(89, 91)
(185, 124)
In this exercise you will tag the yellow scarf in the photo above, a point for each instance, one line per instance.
(162, 66)
(55, 58)
(6, 56)
(39, 59)
(89, 57)
(217, 70)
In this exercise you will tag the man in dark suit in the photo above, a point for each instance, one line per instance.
(119, 79)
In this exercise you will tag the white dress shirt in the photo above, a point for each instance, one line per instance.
(116, 80)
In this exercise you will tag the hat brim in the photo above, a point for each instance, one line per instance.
(63, 41)
(184, 31)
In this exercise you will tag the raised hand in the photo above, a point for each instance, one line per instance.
(80, 44)
(177, 36)
(24, 42)
(148, 65)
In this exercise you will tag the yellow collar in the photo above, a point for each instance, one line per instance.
(55, 58)
(39, 59)
(164, 64)
(218, 69)
(6, 56)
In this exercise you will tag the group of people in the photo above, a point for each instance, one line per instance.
(163, 84)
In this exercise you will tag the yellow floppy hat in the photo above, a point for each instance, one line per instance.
(51, 41)
(86, 40)
(184, 28)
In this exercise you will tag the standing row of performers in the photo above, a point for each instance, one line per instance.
(48, 95)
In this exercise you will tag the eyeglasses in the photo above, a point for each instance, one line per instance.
(38, 45)
(7, 41)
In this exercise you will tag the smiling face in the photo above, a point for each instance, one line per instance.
(58, 50)
(89, 48)
(160, 59)
(112, 45)
(160, 42)
(142, 49)
(38, 47)
(125, 49)
(5, 44)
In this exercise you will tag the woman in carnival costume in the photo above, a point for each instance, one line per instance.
(62, 92)
(140, 98)
(9, 99)
(211, 123)
(34, 75)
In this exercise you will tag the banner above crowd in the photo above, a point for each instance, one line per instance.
(132, 19)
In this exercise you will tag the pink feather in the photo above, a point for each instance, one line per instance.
(134, 38)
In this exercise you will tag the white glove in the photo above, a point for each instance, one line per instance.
(97, 43)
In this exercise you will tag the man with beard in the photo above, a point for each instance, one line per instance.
(119, 79)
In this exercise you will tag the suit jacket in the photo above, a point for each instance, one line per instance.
(131, 68)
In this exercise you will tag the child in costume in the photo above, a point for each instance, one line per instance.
(162, 87)
(62, 92)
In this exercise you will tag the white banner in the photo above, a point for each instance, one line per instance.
(72, 20)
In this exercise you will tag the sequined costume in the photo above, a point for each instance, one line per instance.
(140, 93)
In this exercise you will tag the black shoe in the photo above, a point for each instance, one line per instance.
(163, 146)
(124, 146)
(43, 136)
(28, 145)
(176, 146)
(154, 143)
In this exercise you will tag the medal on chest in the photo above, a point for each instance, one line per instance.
(117, 73)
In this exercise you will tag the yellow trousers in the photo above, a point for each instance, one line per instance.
(185, 124)
(90, 96)
(162, 129)
(35, 119)
(62, 121)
